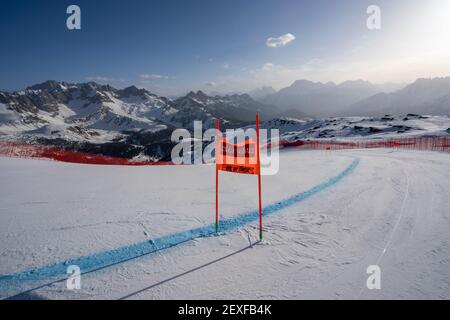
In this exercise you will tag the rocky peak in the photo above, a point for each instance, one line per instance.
(49, 85)
(199, 95)
(132, 91)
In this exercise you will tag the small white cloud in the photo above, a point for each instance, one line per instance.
(152, 76)
(100, 79)
(268, 66)
(211, 84)
(280, 41)
(226, 66)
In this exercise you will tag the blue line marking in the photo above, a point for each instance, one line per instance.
(122, 254)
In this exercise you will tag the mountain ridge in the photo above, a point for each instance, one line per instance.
(134, 122)
(423, 96)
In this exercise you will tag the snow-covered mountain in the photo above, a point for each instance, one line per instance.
(235, 108)
(91, 110)
(424, 96)
(316, 99)
(361, 127)
(86, 115)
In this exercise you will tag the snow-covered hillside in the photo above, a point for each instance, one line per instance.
(354, 128)
(305, 98)
(332, 214)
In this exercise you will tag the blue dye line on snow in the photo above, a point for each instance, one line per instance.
(122, 254)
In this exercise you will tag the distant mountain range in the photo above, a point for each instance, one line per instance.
(424, 96)
(360, 98)
(133, 122)
(92, 106)
(356, 128)
(122, 122)
(318, 100)
(262, 93)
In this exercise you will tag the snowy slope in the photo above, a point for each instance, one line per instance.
(391, 210)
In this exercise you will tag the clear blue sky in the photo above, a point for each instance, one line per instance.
(173, 46)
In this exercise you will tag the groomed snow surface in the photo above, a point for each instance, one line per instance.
(391, 209)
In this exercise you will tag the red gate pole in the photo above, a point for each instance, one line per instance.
(259, 177)
(217, 175)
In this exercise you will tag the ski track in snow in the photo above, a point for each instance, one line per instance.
(105, 259)
(392, 233)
